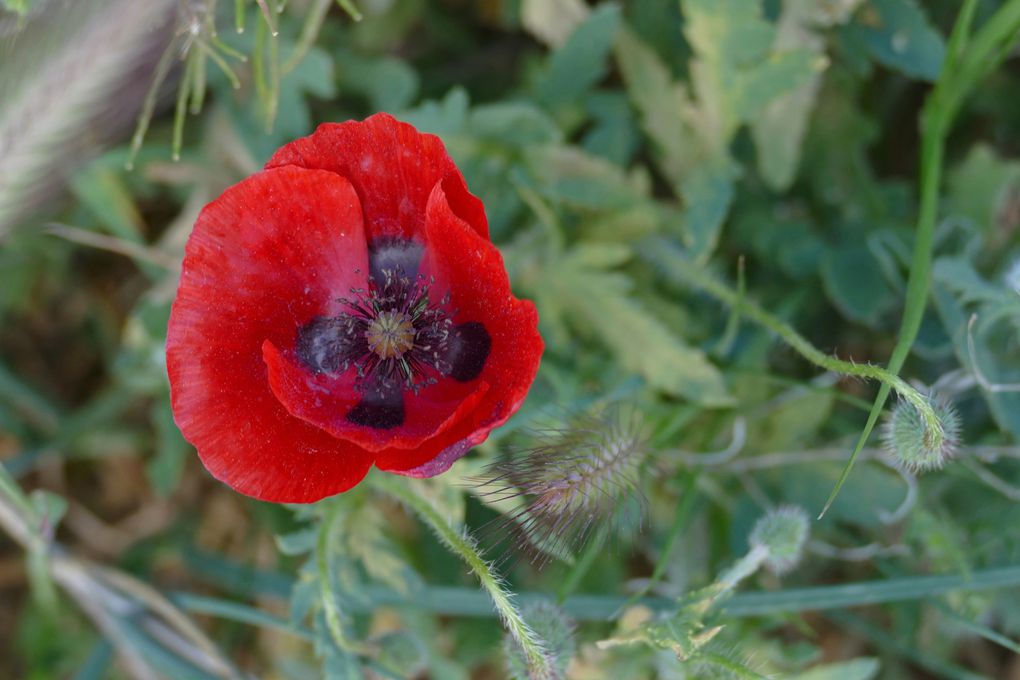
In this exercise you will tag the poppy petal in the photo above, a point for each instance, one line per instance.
(472, 269)
(327, 401)
(273, 252)
(392, 166)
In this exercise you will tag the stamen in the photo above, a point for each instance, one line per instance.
(394, 335)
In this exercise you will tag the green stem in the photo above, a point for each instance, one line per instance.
(323, 563)
(683, 513)
(964, 66)
(581, 567)
(697, 277)
(459, 542)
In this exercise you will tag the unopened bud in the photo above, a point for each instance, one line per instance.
(907, 438)
(782, 532)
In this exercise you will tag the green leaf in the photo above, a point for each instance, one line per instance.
(957, 287)
(983, 187)
(313, 76)
(856, 669)
(898, 34)
(106, 196)
(736, 71)
(668, 116)
(581, 62)
(583, 288)
(870, 491)
(780, 127)
(165, 468)
(297, 542)
(613, 134)
(577, 179)
(19, 7)
(552, 21)
(794, 421)
(735, 74)
(708, 194)
(444, 117)
(853, 281)
(388, 83)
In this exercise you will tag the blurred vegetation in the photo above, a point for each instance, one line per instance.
(672, 183)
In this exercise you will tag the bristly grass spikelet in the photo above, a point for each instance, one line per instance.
(909, 443)
(579, 482)
(782, 532)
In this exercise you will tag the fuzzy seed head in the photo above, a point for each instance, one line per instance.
(578, 480)
(907, 439)
(556, 630)
(783, 533)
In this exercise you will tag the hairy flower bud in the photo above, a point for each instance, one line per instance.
(907, 439)
(782, 532)
(577, 481)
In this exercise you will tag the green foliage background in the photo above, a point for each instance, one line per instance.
(625, 152)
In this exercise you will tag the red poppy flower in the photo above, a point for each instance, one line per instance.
(343, 308)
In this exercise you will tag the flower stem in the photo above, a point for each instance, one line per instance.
(692, 275)
(967, 61)
(461, 543)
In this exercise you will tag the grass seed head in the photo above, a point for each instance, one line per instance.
(577, 482)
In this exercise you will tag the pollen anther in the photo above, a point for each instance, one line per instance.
(390, 334)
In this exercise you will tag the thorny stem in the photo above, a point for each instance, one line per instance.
(967, 61)
(461, 544)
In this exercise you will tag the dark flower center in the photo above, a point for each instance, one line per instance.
(394, 335)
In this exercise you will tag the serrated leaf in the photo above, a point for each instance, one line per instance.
(668, 115)
(552, 21)
(898, 34)
(570, 175)
(584, 290)
(779, 129)
(736, 71)
(735, 74)
(581, 62)
(367, 541)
